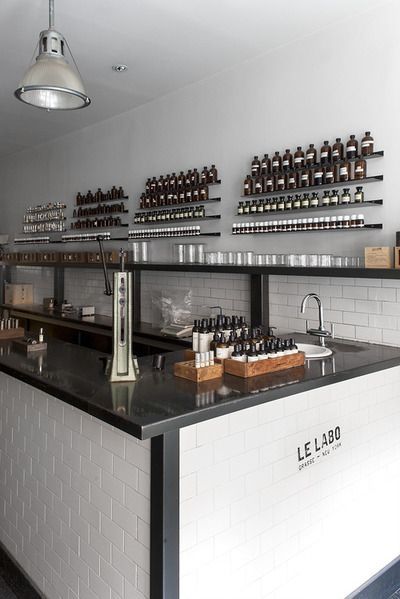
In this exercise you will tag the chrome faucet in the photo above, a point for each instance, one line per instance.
(321, 331)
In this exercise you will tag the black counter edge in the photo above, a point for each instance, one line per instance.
(147, 431)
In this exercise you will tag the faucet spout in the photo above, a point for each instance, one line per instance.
(321, 331)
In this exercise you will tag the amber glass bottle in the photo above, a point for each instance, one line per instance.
(367, 144)
(326, 153)
(360, 169)
(255, 167)
(265, 165)
(345, 171)
(287, 160)
(276, 163)
(248, 186)
(352, 147)
(311, 156)
(299, 158)
(337, 150)
(213, 174)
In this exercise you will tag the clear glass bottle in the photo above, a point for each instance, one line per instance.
(346, 197)
(367, 144)
(334, 198)
(352, 147)
(314, 202)
(281, 203)
(305, 201)
(326, 199)
(289, 202)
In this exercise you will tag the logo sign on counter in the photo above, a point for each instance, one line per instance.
(321, 446)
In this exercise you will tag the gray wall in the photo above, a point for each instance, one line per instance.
(338, 81)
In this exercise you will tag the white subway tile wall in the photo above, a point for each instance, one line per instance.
(40, 277)
(85, 287)
(361, 309)
(74, 498)
(230, 291)
(256, 526)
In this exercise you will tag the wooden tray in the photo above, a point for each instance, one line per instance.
(187, 370)
(248, 369)
(12, 333)
(27, 348)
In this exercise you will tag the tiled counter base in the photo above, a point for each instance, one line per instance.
(270, 508)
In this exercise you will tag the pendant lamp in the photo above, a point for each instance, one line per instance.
(51, 83)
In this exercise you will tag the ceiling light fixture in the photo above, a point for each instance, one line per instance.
(51, 82)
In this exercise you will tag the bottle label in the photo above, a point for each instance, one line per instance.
(317, 174)
(366, 144)
(359, 169)
(292, 179)
(222, 353)
(254, 169)
(285, 163)
(335, 153)
(304, 177)
(252, 358)
(298, 159)
(343, 170)
(281, 180)
(204, 342)
(351, 148)
(195, 342)
(246, 186)
(324, 154)
(310, 156)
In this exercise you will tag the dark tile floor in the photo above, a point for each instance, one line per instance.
(13, 585)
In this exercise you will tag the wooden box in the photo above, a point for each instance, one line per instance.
(397, 257)
(248, 369)
(74, 257)
(378, 257)
(48, 257)
(187, 370)
(15, 294)
(28, 348)
(12, 333)
(110, 257)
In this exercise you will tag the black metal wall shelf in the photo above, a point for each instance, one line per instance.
(371, 179)
(97, 202)
(377, 154)
(351, 206)
(201, 202)
(99, 214)
(45, 220)
(347, 229)
(77, 231)
(171, 223)
(174, 237)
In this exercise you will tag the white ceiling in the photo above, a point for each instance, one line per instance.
(167, 45)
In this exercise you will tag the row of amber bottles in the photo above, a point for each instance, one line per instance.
(170, 198)
(97, 223)
(100, 196)
(174, 182)
(328, 155)
(99, 209)
(306, 177)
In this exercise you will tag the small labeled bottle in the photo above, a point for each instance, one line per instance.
(318, 175)
(326, 153)
(353, 221)
(346, 222)
(276, 163)
(252, 354)
(269, 183)
(345, 171)
(248, 186)
(337, 150)
(305, 201)
(360, 220)
(280, 182)
(359, 195)
(240, 208)
(314, 202)
(260, 207)
(287, 160)
(238, 354)
(195, 336)
(346, 197)
(297, 202)
(315, 224)
(334, 198)
(305, 177)
(360, 169)
(204, 342)
(299, 160)
(311, 156)
(246, 209)
(367, 144)
(333, 222)
(340, 222)
(258, 185)
(194, 179)
(326, 199)
(265, 165)
(213, 174)
(255, 167)
(329, 174)
(289, 202)
(281, 204)
(291, 182)
(222, 349)
(352, 147)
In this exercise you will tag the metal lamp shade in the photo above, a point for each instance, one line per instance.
(52, 84)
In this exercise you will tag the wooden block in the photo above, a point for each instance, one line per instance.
(28, 348)
(188, 354)
(397, 257)
(248, 369)
(187, 370)
(12, 333)
(378, 257)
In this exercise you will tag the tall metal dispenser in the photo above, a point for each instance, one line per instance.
(123, 364)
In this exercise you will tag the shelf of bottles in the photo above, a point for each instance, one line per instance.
(175, 215)
(89, 207)
(168, 232)
(304, 203)
(31, 240)
(44, 218)
(182, 189)
(338, 165)
(305, 225)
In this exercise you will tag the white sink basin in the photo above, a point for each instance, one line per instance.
(314, 351)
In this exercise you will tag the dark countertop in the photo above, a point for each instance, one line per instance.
(159, 402)
(98, 323)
